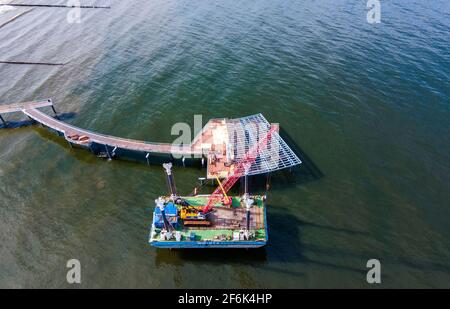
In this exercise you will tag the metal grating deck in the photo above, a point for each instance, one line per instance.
(245, 132)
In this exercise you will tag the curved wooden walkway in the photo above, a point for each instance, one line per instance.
(85, 137)
(222, 142)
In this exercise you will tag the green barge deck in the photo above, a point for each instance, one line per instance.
(227, 229)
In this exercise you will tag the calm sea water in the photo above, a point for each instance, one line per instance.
(367, 104)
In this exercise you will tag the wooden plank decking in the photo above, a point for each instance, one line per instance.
(18, 107)
(30, 109)
(235, 218)
(112, 141)
(215, 142)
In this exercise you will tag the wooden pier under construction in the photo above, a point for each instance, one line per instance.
(219, 145)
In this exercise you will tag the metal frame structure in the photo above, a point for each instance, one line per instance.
(245, 132)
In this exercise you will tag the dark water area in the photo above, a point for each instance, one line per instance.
(366, 105)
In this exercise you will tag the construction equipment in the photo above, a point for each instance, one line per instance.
(247, 167)
(187, 212)
(196, 223)
(170, 180)
(226, 200)
(191, 213)
(248, 204)
(161, 204)
(239, 171)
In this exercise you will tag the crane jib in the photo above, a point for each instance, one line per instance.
(239, 170)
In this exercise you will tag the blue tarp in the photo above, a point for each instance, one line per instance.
(171, 210)
(171, 215)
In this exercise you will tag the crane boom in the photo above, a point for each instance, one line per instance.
(238, 171)
(227, 200)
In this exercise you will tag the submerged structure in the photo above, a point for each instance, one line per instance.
(230, 149)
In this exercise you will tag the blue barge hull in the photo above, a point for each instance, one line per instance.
(213, 244)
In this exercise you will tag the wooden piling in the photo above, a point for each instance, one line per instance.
(5, 124)
(107, 152)
(32, 120)
(54, 110)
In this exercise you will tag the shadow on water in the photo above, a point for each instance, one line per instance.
(83, 155)
(79, 154)
(91, 156)
(323, 227)
(285, 232)
(304, 173)
(179, 257)
(285, 248)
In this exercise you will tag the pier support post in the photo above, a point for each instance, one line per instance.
(107, 152)
(268, 181)
(247, 167)
(5, 124)
(33, 121)
(53, 108)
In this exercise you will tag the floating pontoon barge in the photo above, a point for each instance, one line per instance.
(227, 226)
(218, 220)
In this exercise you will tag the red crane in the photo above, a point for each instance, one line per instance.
(239, 170)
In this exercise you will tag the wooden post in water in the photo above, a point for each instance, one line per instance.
(107, 152)
(53, 108)
(4, 122)
(31, 120)
(268, 178)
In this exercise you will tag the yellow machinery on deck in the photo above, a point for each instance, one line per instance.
(190, 212)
